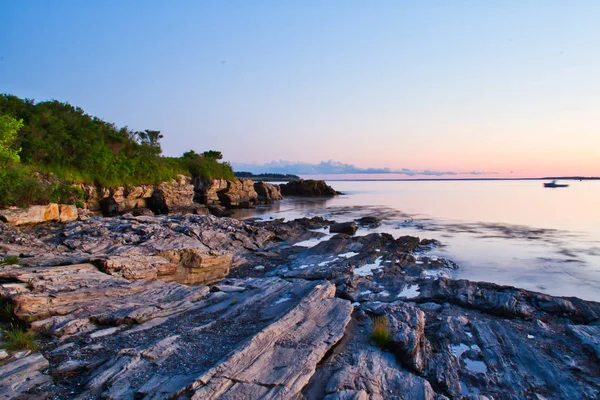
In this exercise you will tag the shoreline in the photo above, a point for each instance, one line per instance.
(242, 281)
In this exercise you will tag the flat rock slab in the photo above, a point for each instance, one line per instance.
(589, 337)
(112, 338)
(22, 375)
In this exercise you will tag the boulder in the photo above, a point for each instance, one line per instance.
(177, 195)
(239, 193)
(267, 192)
(219, 211)
(307, 187)
(67, 213)
(368, 222)
(207, 192)
(195, 267)
(349, 228)
(30, 215)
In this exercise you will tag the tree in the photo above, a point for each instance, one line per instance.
(150, 138)
(216, 155)
(9, 128)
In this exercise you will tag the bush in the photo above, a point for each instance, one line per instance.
(17, 338)
(66, 193)
(206, 168)
(8, 260)
(20, 187)
(60, 140)
(381, 332)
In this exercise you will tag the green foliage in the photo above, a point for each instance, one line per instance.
(216, 155)
(20, 187)
(7, 311)
(60, 140)
(205, 167)
(9, 260)
(267, 176)
(9, 127)
(65, 193)
(17, 338)
(381, 332)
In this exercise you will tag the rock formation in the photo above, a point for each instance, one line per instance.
(39, 214)
(194, 306)
(176, 195)
(307, 187)
(267, 192)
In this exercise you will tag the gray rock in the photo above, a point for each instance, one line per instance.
(349, 228)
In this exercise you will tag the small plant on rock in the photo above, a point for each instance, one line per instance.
(381, 332)
(6, 310)
(17, 338)
(8, 260)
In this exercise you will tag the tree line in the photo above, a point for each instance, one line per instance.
(55, 143)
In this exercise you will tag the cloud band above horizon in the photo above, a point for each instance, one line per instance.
(334, 167)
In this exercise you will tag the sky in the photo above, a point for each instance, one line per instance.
(472, 88)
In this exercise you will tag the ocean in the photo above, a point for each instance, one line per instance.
(509, 232)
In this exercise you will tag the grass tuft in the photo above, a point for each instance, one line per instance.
(8, 260)
(17, 338)
(7, 310)
(381, 332)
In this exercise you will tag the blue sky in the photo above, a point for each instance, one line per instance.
(494, 86)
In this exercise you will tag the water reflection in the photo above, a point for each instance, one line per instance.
(510, 233)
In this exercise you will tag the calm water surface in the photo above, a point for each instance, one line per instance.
(508, 232)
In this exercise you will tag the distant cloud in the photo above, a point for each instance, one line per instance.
(334, 167)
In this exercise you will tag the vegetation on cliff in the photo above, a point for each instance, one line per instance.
(46, 146)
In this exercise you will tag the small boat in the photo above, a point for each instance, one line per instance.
(553, 184)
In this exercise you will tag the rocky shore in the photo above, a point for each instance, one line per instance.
(195, 306)
(183, 195)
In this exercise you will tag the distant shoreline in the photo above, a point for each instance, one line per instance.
(465, 179)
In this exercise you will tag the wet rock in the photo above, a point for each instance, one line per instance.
(220, 211)
(307, 187)
(368, 222)
(349, 228)
(407, 333)
(589, 337)
(506, 301)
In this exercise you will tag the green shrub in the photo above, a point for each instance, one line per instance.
(62, 141)
(20, 187)
(17, 338)
(206, 168)
(7, 310)
(381, 332)
(65, 193)
(8, 260)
